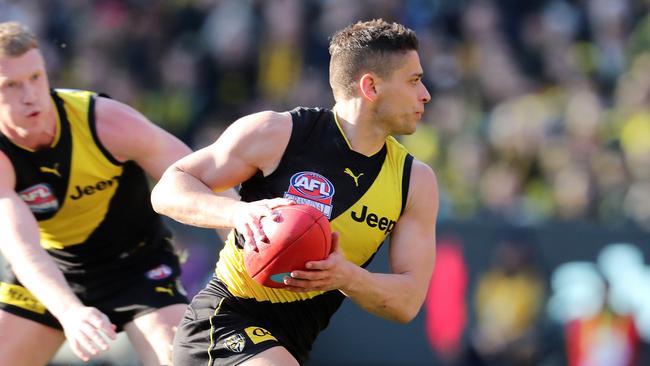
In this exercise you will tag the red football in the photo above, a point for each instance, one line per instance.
(302, 234)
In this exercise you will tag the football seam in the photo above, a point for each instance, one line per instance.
(328, 251)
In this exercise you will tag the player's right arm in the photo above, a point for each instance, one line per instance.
(191, 191)
(20, 246)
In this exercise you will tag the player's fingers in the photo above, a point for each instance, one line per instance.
(277, 202)
(246, 231)
(295, 282)
(83, 346)
(79, 351)
(91, 338)
(102, 323)
(256, 229)
(111, 331)
(319, 265)
(300, 285)
(308, 275)
(263, 209)
(249, 245)
(95, 337)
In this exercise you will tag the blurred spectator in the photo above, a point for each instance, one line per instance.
(539, 107)
(603, 339)
(509, 298)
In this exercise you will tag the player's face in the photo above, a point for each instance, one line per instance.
(400, 103)
(24, 91)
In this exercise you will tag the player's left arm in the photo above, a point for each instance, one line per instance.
(129, 135)
(398, 295)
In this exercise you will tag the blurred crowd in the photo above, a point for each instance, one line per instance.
(509, 308)
(540, 109)
(540, 112)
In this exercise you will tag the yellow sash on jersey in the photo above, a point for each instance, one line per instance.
(92, 183)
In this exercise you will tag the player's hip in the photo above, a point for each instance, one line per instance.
(127, 296)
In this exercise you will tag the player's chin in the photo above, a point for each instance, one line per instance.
(408, 129)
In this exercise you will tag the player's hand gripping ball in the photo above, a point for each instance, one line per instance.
(302, 234)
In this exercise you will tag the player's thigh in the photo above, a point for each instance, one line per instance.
(24, 342)
(276, 356)
(151, 334)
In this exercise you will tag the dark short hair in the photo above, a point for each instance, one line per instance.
(16, 39)
(366, 47)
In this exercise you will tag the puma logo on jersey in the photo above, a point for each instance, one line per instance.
(373, 220)
(167, 290)
(355, 177)
(91, 189)
(54, 170)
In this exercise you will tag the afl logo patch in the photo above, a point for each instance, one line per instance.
(311, 189)
(40, 198)
(161, 272)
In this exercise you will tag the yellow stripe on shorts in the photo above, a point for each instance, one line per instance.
(21, 297)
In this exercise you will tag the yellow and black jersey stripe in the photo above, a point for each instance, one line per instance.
(93, 212)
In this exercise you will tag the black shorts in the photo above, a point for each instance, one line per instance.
(219, 328)
(213, 332)
(153, 288)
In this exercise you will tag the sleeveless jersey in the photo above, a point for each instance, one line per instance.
(94, 213)
(363, 197)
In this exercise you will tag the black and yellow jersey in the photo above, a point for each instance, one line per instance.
(363, 197)
(94, 213)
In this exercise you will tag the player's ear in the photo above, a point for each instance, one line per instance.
(368, 86)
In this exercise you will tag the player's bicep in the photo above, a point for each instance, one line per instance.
(215, 166)
(413, 242)
(251, 144)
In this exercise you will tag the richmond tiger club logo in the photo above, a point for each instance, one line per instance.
(313, 189)
(40, 198)
(235, 343)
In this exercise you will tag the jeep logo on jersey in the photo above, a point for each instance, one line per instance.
(91, 189)
(40, 198)
(312, 189)
(373, 220)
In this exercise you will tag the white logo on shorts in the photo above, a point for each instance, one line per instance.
(161, 272)
(235, 342)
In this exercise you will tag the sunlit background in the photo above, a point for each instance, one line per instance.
(538, 130)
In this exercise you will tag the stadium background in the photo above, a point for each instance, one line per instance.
(539, 131)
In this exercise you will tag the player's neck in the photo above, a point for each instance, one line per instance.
(362, 132)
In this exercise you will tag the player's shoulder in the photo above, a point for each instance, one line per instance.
(423, 170)
(114, 116)
(263, 123)
(423, 176)
(422, 166)
(108, 106)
